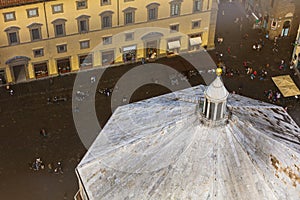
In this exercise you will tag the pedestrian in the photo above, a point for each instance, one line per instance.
(220, 40)
(248, 70)
(252, 76)
(43, 132)
(50, 168)
(59, 167)
(229, 50)
(240, 89)
(11, 92)
(236, 20)
(93, 79)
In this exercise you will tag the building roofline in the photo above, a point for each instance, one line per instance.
(16, 3)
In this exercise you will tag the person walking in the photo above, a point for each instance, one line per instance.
(229, 50)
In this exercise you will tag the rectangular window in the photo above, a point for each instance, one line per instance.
(83, 26)
(61, 48)
(59, 30)
(106, 21)
(32, 12)
(128, 18)
(38, 52)
(35, 34)
(81, 4)
(105, 2)
(9, 16)
(85, 44)
(197, 5)
(274, 24)
(57, 8)
(13, 38)
(107, 40)
(196, 24)
(175, 9)
(174, 28)
(152, 14)
(129, 36)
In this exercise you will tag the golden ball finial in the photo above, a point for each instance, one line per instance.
(219, 71)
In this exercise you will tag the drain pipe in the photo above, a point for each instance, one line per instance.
(118, 12)
(46, 20)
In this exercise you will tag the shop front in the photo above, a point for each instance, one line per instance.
(40, 70)
(129, 53)
(85, 61)
(108, 57)
(195, 42)
(63, 65)
(173, 47)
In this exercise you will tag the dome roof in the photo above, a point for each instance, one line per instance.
(216, 91)
(159, 149)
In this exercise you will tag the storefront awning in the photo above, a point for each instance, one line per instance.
(130, 48)
(195, 41)
(286, 85)
(174, 44)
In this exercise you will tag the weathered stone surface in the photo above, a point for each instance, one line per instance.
(159, 149)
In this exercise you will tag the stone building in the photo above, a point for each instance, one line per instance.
(276, 17)
(197, 143)
(41, 38)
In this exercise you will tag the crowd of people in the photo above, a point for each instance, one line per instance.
(273, 96)
(38, 164)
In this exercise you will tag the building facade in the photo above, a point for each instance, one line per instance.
(47, 38)
(274, 16)
(296, 52)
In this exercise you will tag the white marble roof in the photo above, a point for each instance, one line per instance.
(159, 149)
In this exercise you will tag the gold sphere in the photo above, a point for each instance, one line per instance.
(219, 71)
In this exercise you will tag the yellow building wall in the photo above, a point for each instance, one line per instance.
(95, 35)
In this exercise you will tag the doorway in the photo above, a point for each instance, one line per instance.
(151, 49)
(19, 73)
(285, 28)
